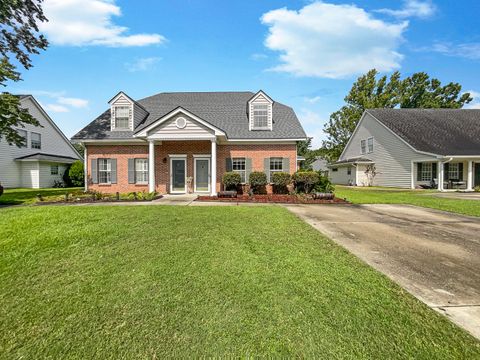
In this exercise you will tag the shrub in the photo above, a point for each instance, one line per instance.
(476, 189)
(66, 178)
(324, 185)
(305, 180)
(58, 184)
(147, 195)
(76, 173)
(280, 181)
(258, 181)
(231, 180)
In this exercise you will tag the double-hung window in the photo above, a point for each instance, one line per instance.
(276, 164)
(122, 117)
(141, 171)
(23, 134)
(453, 171)
(260, 116)
(104, 171)
(426, 172)
(363, 146)
(35, 140)
(53, 169)
(370, 144)
(238, 166)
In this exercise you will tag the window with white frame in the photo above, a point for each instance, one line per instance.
(363, 146)
(53, 169)
(104, 171)
(23, 134)
(239, 166)
(276, 164)
(426, 172)
(260, 116)
(122, 117)
(35, 140)
(453, 171)
(141, 171)
(370, 144)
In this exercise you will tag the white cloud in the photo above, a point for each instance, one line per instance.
(89, 22)
(312, 100)
(142, 64)
(412, 8)
(467, 50)
(73, 102)
(258, 57)
(475, 103)
(332, 41)
(56, 108)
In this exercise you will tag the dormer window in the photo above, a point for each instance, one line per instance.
(122, 117)
(260, 108)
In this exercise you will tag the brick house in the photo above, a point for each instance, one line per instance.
(184, 142)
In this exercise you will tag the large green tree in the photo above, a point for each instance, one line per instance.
(19, 38)
(372, 91)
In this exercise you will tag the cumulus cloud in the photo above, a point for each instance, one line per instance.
(61, 102)
(56, 108)
(73, 102)
(89, 22)
(332, 41)
(412, 8)
(142, 64)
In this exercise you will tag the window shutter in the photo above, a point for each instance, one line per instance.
(113, 166)
(93, 171)
(286, 165)
(445, 171)
(266, 166)
(460, 171)
(131, 171)
(434, 171)
(419, 171)
(248, 169)
(228, 164)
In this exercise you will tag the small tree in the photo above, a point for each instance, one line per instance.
(76, 173)
(370, 173)
(280, 181)
(258, 181)
(231, 180)
(305, 180)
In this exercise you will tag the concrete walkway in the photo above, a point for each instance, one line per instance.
(434, 255)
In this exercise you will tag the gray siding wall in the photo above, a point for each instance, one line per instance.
(391, 155)
(169, 130)
(52, 143)
(45, 178)
(341, 176)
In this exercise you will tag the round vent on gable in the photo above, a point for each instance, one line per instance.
(181, 122)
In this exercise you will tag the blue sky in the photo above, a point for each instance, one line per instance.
(304, 54)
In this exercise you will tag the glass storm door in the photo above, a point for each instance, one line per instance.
(202, 174)
(178, 173)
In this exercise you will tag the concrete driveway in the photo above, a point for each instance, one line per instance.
(432, 254)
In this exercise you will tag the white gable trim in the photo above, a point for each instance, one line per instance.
(49, 119)
(156, 123)
(120, 94)
(386, 127)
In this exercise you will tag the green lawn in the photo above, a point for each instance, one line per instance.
(29, 196)
(425, 198)
(156, 281)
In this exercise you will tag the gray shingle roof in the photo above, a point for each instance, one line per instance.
(437, 131)
(354, 160)
(226, 111)
(47, 157)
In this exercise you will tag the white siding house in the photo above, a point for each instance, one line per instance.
(410, 148)
(43, 159)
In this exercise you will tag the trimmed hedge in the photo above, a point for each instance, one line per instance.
(76, 173)
(258, 181)
(280, 181)
(305, 180)
(231, 180)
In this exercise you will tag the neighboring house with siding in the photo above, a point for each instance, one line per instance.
(161, 142)
(411, 148)
(44, 157)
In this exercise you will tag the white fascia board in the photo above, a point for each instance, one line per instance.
(144, 132)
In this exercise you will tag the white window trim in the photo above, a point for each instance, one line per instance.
(143, 171)
(453, 174)
(368, 146)
(57, 172)
(195, 173)
(129, 117)
(269, 104)
(270, 165)
(109, 165)
(424, 175)
(241, 171)
(31, 140)
(26, 137)
(363, 149)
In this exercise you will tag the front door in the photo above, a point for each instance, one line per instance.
(476, 178)
(202, 175)
(178, 172)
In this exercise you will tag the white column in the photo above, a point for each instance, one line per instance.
(440, 175)
(213, 185)
(151, 166)
(85, 166)
(412, 175)
(470, 176)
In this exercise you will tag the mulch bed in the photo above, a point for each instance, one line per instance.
(273, 198)
(89, 200)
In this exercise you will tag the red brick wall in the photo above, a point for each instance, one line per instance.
(122, 153)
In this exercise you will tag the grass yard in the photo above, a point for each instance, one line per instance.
(158, 281)
(29, 196)
(376, 195)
